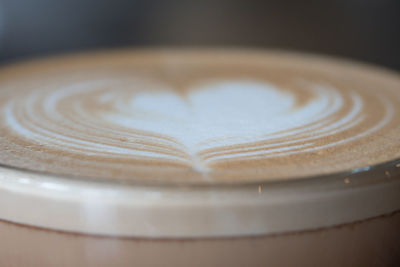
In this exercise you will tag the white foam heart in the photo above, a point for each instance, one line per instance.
(223, 113)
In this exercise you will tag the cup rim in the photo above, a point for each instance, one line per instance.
(379, 168)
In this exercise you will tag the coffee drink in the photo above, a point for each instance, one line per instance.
(153, 151)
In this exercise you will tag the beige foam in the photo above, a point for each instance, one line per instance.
(56, 116)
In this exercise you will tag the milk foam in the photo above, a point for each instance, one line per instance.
(210, 129)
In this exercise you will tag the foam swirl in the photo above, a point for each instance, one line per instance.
(195, 119)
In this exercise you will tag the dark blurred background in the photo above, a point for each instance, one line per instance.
(367, 30)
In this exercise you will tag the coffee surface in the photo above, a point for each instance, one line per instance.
(197, 116)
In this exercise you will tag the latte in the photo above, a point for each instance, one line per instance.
(197, 117)
(216, 158)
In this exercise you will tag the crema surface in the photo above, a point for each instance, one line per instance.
(197, 116)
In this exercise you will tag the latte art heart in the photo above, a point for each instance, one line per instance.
(225, 114)
(195, 119)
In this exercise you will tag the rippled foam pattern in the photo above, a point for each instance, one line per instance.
(197, 117)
